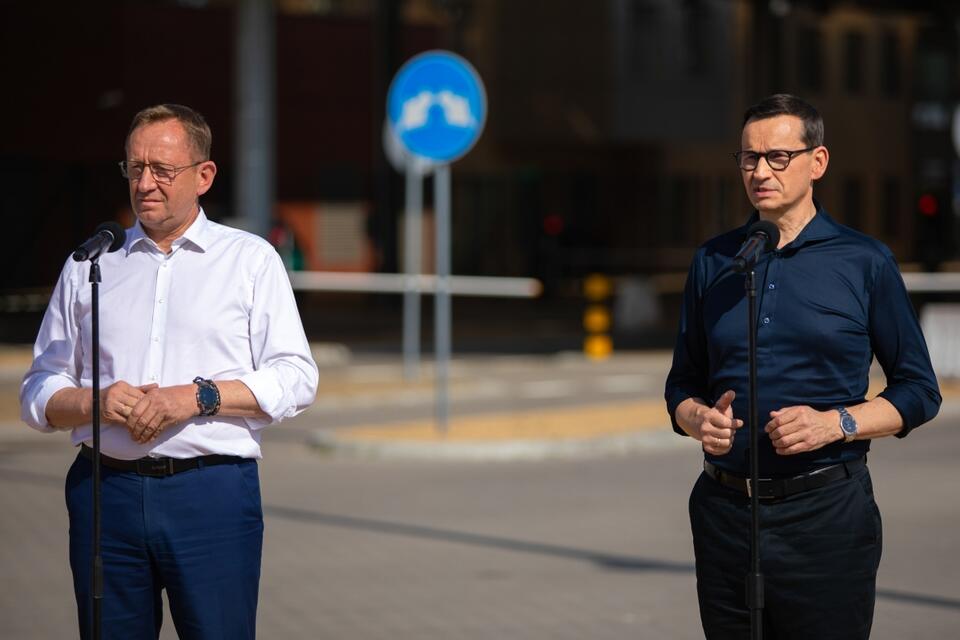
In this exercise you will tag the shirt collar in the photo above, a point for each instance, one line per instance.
(197, 234)
(820, 227)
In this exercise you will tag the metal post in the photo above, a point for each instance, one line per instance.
(254, 105)
(441, 206)
(754, 586)
(97, 577)
(412, 252)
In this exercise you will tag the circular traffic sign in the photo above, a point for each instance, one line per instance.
(437, 106)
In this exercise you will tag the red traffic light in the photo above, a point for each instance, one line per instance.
(928, 205)
(553, 224)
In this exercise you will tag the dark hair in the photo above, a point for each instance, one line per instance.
(784, 104)
(198, 131)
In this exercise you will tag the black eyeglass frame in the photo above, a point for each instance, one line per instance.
(737, 155)
(175, 171)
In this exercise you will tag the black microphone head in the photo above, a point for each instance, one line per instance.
(118, 233)
(768, 229)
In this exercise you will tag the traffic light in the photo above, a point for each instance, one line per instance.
(934, 232)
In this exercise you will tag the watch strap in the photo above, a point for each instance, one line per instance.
(845, 415)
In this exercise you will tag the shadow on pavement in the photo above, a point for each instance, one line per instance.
(609, 561)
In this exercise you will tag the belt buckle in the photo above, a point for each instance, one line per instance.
(156, 467)
(759, 489)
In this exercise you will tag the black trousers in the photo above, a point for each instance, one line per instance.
(819, 554)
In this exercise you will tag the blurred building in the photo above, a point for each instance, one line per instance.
(607, 148)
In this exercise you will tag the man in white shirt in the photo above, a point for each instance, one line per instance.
(201, 347)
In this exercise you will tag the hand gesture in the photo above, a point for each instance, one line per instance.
(718, 427)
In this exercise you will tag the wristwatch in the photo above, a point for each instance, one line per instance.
(848, 425)
(208, 397)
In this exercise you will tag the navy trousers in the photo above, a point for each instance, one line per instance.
(819, 554)
(198, 534)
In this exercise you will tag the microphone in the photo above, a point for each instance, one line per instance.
(109, 237)
(762, 236)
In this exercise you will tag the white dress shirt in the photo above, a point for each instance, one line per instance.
(219, 306)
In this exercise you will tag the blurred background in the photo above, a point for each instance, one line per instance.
(605, 161)
(606, 151)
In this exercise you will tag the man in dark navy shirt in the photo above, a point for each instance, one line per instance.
(829, 300)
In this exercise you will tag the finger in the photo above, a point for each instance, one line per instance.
(723, 434)
(783, 417)
(148, 387)
(148, 424)
(145, 428)
(132, 397)
(724, 401)
(121, 411)
(798, 447)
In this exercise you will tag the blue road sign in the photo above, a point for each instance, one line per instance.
(437, 106)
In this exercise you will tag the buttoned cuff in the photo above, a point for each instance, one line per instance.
(914, 410)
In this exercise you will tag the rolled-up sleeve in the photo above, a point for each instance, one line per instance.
(285, 376)
(688, 374)
(901, 350)
(57, 356)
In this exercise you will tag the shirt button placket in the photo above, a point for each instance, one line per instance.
(158, 327)
(769, 304)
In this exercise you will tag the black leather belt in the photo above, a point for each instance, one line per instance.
(159, 467)
(773, 488)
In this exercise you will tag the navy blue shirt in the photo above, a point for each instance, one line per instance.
(828, 302)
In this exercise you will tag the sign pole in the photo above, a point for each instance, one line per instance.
(436, 109)
(412, 252)
(441, 205)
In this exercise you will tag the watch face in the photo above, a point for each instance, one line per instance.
(848, 424)
(208, 397)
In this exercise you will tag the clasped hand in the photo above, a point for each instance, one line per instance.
(148, 409)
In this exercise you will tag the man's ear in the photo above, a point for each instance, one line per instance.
(206, 173)
(821, 158)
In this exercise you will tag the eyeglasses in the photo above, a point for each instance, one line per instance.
(778, 159)
(162, 173)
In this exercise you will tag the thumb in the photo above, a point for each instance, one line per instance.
(149, 387)
(724, 401)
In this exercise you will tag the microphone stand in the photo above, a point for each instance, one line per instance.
(97, 576)
(754, 591)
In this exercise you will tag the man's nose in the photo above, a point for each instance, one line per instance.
(763, 168)
(146, 181)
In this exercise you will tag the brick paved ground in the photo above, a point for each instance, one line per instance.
(594, 548)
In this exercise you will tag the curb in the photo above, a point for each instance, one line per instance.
(340, 444)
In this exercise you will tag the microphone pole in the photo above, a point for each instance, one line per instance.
(754, 577)
(97, 577)
(762, 236)
(109, 237)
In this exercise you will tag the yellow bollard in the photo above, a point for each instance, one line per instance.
(596, 318)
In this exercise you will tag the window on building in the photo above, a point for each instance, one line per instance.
(696, 34)
(678, 211)
(809, 58)
(890, 64)
(853, 202)
(891, 206)
(853, 61)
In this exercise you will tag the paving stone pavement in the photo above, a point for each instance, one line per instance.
(581, 549)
